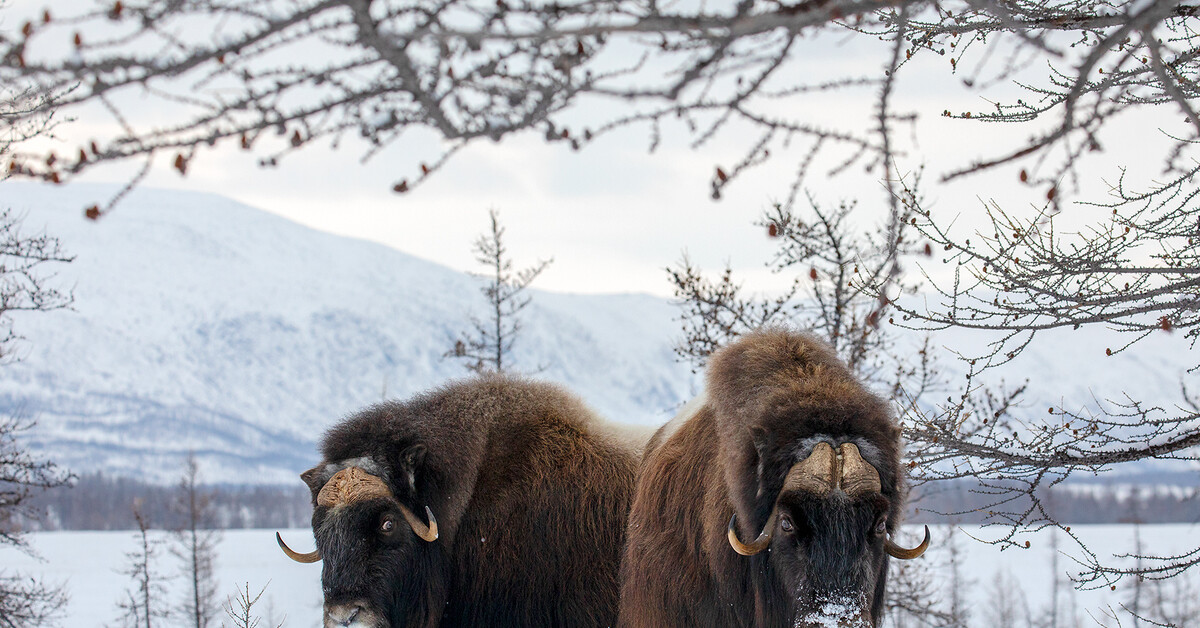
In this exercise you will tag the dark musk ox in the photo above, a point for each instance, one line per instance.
(489, 502)
(784, 448)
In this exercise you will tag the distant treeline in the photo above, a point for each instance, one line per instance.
(964, 501)
(99, 502)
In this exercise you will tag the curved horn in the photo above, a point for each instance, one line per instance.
(896, 551)
(427, 532)
(310, 557)
(759, 544)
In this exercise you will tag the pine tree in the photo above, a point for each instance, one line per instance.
(959, 611)
(145, 602)
(488, 347)
(195, 545)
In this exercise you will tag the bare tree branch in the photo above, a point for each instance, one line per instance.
(275, 77)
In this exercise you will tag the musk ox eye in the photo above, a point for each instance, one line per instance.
(387, 526)
(881, 526)
(785, 523)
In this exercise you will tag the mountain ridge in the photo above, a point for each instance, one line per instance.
(204, 325)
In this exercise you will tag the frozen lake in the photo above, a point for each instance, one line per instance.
(89, 564)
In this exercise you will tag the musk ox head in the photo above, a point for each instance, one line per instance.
(811, 462)
(378, 565)
(827, 537)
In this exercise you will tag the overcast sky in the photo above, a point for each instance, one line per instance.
(614, 215)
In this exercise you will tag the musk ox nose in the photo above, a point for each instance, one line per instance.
(844, 610)
(352, 615)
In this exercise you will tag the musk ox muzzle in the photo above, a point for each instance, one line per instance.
(353, 615)
(352, 485)
(821, 473)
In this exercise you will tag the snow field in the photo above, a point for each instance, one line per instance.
(88, 563)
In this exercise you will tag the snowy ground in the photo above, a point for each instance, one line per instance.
(89, 564)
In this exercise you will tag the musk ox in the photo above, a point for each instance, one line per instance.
(490, 502)
(787, 449)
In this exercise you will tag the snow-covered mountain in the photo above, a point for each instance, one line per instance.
(201, 324)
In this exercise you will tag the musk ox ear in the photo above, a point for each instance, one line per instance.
(411, 460)
(762, 440)
(312, 478)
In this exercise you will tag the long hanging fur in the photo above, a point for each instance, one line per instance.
(768, 395)
(530, 491)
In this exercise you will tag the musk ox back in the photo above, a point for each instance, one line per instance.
(489, 502)
(785, 449)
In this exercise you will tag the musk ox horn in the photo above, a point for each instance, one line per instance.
(857, 476)
(759, 544)
(310, 557)
(821, 472)
(816, 474)
(895, 551)
(352, 484)
(426, 532)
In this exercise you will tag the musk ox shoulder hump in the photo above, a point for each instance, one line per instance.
(627, 436)
(766, 360)
(686, 413)
(768, 371)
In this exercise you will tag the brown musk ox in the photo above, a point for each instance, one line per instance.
(784, 448)
(493, 501)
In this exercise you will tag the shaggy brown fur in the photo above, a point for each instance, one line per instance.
(770, 396)
(530, 498)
